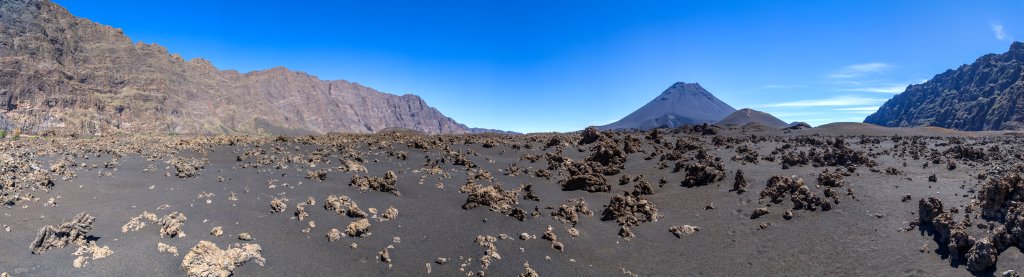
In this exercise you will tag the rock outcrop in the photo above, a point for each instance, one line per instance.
(985, 95)
(64, 75)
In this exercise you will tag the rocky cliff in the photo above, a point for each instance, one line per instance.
(985, 95)
(60, 74)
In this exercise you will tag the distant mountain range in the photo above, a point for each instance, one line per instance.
(680, 104)
(60, 74)
(985, 95)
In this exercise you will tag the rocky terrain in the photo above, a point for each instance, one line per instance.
(840, 199)
(680, 104)
(64, 75)
(985, 95)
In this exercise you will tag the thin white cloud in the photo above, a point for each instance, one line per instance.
(837, 101)
(998, 29)
(894, 89)
(781, 86)
(866, 109)
(858, 70)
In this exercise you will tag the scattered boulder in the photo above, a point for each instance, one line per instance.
(630, 210)
(170, 225)
(206, 259)
(740, 185)
(69, 231)
(679, 231)
(386, 184)
(344, 205)
(359, 228)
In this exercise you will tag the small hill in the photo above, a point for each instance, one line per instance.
(747, 116)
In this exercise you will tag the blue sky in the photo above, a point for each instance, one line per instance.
(534, 66)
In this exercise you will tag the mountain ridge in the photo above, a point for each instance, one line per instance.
(61, 74)
(987, 94)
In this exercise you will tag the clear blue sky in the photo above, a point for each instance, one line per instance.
(533, 66)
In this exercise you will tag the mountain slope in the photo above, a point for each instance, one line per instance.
(985, 95)
(61, 74)
(747, 116)
(680, 104)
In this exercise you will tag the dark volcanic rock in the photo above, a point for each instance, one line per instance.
(985, 95)
(60, 74)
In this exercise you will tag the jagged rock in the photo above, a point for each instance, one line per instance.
(170, 225)
(929, 208)
(679, 231)
(703, 173)
(359, 228)
(69, 231)
(344, 205)
(589, 135)
(629, 210)
(207, 260)
(386, 184)
(740, 184)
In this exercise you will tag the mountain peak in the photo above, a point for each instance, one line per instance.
(680, 104)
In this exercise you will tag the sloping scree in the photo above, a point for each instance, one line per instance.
(69, 231)
(207, 260)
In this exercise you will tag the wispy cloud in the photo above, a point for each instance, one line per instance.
(837, 101)
(864, 109)
(893, 89)
(781, 86)
(858, 70)
(998, 29)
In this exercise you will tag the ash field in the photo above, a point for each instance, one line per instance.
(839, 199)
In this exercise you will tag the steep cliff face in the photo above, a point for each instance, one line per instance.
(985, 95)
(60, 74)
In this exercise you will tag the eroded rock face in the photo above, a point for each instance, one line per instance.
(984, 95)
(70, 231)
(67, 75)
(207, 260)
